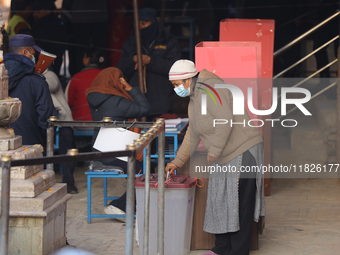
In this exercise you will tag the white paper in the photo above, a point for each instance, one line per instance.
(172, 122)
(114, 139)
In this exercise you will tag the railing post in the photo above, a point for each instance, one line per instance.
(138, 46)
(160, 214)
(130, 200)
(147, 199)
(5, 198)
(338, 114)
(50, 140)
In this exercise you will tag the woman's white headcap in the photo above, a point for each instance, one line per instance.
(182, 69)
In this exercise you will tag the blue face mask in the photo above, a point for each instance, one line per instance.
(181, 91)
(33, 58)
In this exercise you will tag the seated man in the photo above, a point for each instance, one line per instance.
(30, 88)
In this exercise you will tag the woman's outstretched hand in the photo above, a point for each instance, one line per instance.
(170, 167)
(126, 85)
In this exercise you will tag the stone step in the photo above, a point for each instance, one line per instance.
(302, 144)
(32, 186)
(312, 140)
(309, 150)
(326, 116)
(23, 172)
(11, 143)
(24, 152)
(37, 225)
(305, 155)
(25, 206)
(308, 128)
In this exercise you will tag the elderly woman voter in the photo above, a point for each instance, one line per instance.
(235, 199)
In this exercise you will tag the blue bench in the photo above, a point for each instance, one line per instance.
(101, 174)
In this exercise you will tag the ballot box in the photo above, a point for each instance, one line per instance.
(179, 201)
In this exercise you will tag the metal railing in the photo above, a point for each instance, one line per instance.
(5, 188)
(305, 57)
(298, 39)
(155, 129)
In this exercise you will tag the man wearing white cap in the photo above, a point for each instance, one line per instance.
(234, 199)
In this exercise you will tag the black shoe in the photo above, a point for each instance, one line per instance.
(71, 189)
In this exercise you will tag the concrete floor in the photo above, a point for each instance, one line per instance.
(303, 217)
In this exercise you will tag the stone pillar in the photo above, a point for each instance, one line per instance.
(37, 204)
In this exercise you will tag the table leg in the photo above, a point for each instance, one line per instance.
(105, 191)
(144, 160)
(88, 199)
(175, 144)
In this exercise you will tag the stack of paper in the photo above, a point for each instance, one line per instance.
(172, 123)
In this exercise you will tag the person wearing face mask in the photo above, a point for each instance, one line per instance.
(30, 88)
(160, 50)
(234, 199)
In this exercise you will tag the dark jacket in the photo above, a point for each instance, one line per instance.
(33, 92)
(117, 107)
(163, 52)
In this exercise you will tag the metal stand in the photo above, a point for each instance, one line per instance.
(5, 190)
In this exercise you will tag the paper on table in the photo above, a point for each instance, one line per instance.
(170, 129)
(172, 122)
(114, 139)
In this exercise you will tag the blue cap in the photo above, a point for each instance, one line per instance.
(146, 14)
(21, 40)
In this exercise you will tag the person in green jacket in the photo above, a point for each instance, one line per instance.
(19, 22)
